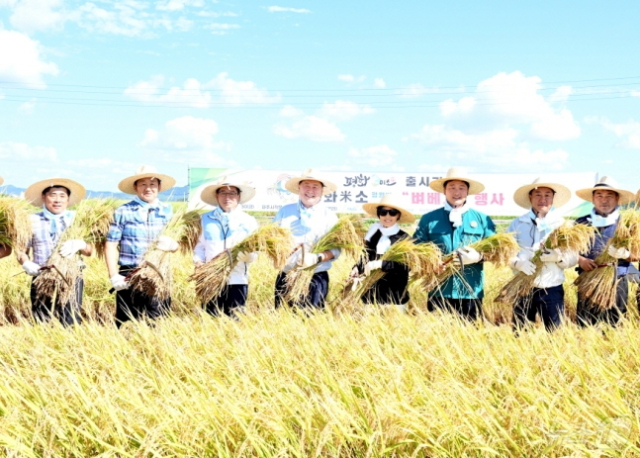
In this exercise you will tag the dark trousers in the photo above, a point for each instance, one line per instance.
(588, 314)
(469, 309)
(132, 304)
(43, 309)
(318, 290)
(546, 302)
(230, 302)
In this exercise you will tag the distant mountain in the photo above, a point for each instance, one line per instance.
(176, 194)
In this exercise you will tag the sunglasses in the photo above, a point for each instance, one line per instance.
(385, 212)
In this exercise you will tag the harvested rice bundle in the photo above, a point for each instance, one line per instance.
(96, 216)
(599, 285)
(212, 277)
(497, 249)
(347, 235)
(192, 229)
(155, 274)
(569, 237)
(423, 261)
(60, 274)
(15, 225)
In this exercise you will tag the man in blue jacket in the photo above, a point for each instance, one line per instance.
(453, 228)
(606, 197)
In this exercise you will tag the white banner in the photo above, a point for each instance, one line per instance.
(357, 188)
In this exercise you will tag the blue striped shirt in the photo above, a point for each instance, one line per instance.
(43, 241)
(136, 226)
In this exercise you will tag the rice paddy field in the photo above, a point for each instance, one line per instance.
(348, 382)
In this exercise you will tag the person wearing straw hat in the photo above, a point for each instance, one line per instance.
(392, 287)
(223, 228)
(541, 198)
(308, 220)
(606, 197)
(135, 226)
(453, 228)
(54, 196)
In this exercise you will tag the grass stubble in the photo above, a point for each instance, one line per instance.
(276, 383)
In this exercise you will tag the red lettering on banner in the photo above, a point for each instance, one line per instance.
(433, 198)
(417, 197)
(497, 199)
(481, 199)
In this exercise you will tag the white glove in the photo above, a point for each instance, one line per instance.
(469, 255)
(31, 268)
(525, 266)
(309, 260)
(553, 255)
(371, 266)
(166, 244)
(354, 272)
(618, 253)
(119, 283)
(244, 257)
(71, 247)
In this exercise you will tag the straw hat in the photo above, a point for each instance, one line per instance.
(33, 193)
(608, 184)
(457, 173)
(146, 171)
(391, 201)
(561, 196)
(293, 184)
(208, 194)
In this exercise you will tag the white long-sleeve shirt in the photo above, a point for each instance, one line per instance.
(530, 239)
(307, 225)
(221, 231)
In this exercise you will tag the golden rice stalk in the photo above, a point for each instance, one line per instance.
(423, 261)
(569, 237)
(599, 285)
(15, 225)
(155, 275)
(91, 224)
(347, 235)
(211, 277)
(192, 229)
(497, 249)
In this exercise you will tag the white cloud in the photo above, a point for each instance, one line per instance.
(374, 156)
(126, 18)
(351, 78)
(561, 94)
(220, 89)
(27, 107)
(320, 127)
(14, 152)
(289, 111)
(379, 83)
(629, 131)
(239, 92)
(507, 99)
(178, 5)
(342, 110)
(310, 127)
(635, 93)
(416, 90)
(187, 140)
(33, 15)
(216, 14)
(21, 60)
(190, 94)
(220, 28)
(282, 9)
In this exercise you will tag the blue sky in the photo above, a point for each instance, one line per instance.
(92, 89)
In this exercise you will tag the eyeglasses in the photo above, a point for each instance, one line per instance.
(390, 211)
(229, 194)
